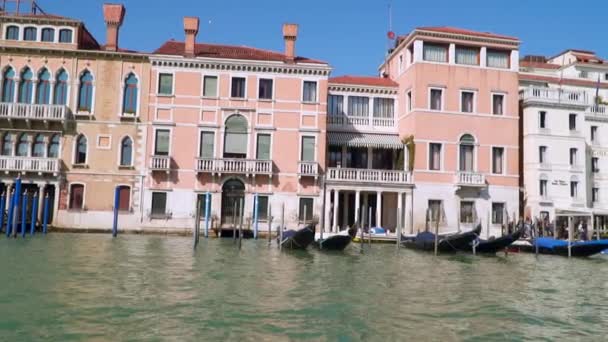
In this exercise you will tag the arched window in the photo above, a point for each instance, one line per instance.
(53, 151)
(30, 33)
(65, 36)
(8, 85)
(467, 153)
(61, 88)
(130, 95)
(81, 150)
(12, 33)
(126, 152)
(38, 147)
(235, 141)
(22, 146)
(48, 34)
(25, 86)
(85, 92)
(7, 145)
(43, 90)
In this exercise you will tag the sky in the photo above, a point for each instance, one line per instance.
(349, 34)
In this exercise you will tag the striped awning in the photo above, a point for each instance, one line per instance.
(364, 140)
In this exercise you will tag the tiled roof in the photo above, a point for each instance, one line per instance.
(564, 81)
(455, 30)
(172, 47)
(538, 65)
(364, 80)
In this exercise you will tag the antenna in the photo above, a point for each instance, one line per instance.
(21, 6)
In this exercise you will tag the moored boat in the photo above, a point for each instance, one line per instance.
(494, 245)
(446, 244)
(577, 248)
(335, 242)
(298, 239)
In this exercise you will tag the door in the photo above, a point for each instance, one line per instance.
(233, 196)
(124, 198)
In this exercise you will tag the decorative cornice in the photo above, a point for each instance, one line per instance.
(355, 88)
(460, 36)
(93, 54)
(41, 20)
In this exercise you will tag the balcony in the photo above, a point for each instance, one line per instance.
(553, 96)
(29, 164)
(308, 169)
(360, 122)
(160, 163)
(221, 166)
(598, 112)
(35, 112)
(470, 179)
(376, 177)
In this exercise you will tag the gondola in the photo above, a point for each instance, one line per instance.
(494, 245)
(335, 242)
(560, 247)
(425, 241)
(298, 239)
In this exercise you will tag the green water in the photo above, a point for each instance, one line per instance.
(67, 287)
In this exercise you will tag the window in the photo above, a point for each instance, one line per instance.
(542, 120)
(61, 88)
(595, 164)
(467, 55)
(335, 104)
(29, 33)
(498, 210)
(498, 101)
(238, 87)
(583, 74)
(65, 36)
(7, 145)
(543, 188)
(124, 198)
(573, 189)
(22, 146)
(161, 142)
(8, 85)
(435, 53)
(159, 204)
(126, 152)
(265, 90)
(434, 156)
(43, 89)
(384, 108)
(129, 102)
(310, 91)
(262, 208)
(207, 145)
(335, 156)
(210, 86)
(467, 209)
(542, 154)
(595, 195)
(80, 156)
(593, 133)
(573, 152)
(165, 84)
(572, 122)
(263, 147)
(606, 76)
(436, 99)
(235, 137)
(85, 92)
(467, 100)
(497, 59)
(76, 197)
(53, 150)
(409, 101)
(435, 210)
(306, 209)
(358, 106)
(308, 149)
(498, 160)
(38, 147)
(12, 33)
(467, 153)
(48, 34)
(26, 86)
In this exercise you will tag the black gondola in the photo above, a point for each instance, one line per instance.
(497, 244)
(298, 239)
(336, 242)
(425, 241)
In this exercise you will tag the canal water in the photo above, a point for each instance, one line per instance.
(68, 287)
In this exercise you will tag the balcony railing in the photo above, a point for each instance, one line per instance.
(598, 111)
(308, 169)
(41, 112)
(29, 164)
(160, 163)
(470, 179)
(234, 166)
(553, 96)
(358, 121)
(369, 176)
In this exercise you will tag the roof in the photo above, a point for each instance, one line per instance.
(172, 47)
(455, 30)
(38, 15)
(538, 65)
(364, 81)
(564, 81)
(364, 140)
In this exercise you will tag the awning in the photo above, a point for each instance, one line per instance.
(388, 141)
(570, 212)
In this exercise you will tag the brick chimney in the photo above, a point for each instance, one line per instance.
(113, 15)
(290, 34)
(191, 29)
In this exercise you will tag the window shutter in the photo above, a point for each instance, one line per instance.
(210, 86)
(162, 143)
(236, 143)
(308, 148)
(263, 148)
(207, 143)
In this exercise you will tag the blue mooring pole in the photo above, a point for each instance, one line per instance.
(207, 213)
(11, 209)
(255, 215)
(24, 213)
(116, 204)
(17, 204)
(34, 213)
(2, 207)
(45, 213)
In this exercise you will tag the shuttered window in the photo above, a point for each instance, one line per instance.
(207, 144)
(308, 148)
(210, 86)
(165, 84)
(263, 147)
(235, 139)
(161, 147)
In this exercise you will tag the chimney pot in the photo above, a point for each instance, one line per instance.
(113, 15)
(191, 25)
(290, 34)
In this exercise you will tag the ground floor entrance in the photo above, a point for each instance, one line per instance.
(233, 199)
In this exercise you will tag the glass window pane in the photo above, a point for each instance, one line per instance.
(65, 36)
(238, 87)
(435, 53)
(207, 144)
(161, 147)
(467, 56)
(335, 104)
(384, 108)
(265, 91)
(165, 84)
(308, 148)
(210, 86)
(358, 106)
(310, 91)
(497, 59)
(126, 152)
(263, 148)
(497, 104)
(262, 208)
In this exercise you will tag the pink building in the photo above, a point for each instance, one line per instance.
(237, 122)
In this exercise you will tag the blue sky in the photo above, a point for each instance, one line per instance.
(349, 34)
